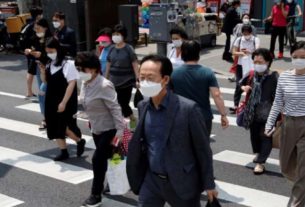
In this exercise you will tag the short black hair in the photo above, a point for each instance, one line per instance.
(53, 43)
(166, 65)
(245, 14)
(43, 23)
(36, 11)
(298, 45)
(246, 28)
(179, 31)
(265, 53)
(105, 31)
(190, 50)
(119, 28)
(236, 2)
(60, 15)
(88, 60)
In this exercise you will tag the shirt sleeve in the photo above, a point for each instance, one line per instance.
(237, 42)
(212, 80)
(70, 71)
(257, 42)
(132, 54)
(276, 107)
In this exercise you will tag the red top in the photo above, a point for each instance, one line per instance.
(279, 20)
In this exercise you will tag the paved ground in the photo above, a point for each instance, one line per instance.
(28, 176)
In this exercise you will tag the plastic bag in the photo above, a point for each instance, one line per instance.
(117, 176)
(247, 65)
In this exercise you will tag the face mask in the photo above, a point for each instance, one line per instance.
(117, 39)
(40, 34)
(289, 1)
(85, 76)
(298, 63)
(56, 25)
(246, 21)
(104, 44)
(177, 43)
(247, 37)
(260, 68)
(52, 56)
(149, 88)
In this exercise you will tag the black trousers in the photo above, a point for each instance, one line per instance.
(124, 96)
(100, 158)
(226, 52)
(238, 92)
(155, 192)
(261, 144)
(208, 124)
(277, 31)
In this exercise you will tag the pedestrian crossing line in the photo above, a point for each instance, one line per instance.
(32, 130)
(248, 196)
(6, 201)
(217, 119)
(44, 166)
(11, 95)
(242, 159)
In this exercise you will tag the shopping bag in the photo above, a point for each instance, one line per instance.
(127, 135)
(247, 65)
(117, 176)
(276, 137)
(214, 203)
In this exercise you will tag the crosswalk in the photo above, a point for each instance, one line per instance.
(72, 174)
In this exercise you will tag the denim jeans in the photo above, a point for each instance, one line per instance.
(42, 87)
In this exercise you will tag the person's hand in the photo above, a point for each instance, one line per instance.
(117, 139)
(269, 133)
(36, 54)
(224, 121)
(212, 194)
(246, 89)
(27, 51)
(61, 107)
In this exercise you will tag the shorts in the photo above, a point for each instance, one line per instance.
(32, 66)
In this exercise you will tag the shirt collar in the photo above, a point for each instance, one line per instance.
(164, 103)
(96, 80)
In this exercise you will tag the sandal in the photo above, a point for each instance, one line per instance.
(259, 169)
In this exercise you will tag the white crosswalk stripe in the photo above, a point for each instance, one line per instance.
(73, 174)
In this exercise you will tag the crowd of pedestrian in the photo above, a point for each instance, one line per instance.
(170, 157)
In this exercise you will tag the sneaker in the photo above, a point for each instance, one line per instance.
(64, 155)
(232, 79)
(80, 147)
(259, 169)
(42, 126)
(280, 55)
(32, 97)
(93, 201)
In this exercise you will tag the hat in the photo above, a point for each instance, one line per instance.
(103, 38)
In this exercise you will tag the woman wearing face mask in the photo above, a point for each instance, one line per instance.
(243, 47)
(37, 51)
(105, 43)
(61, 100)
(178, 35)
(278, 17)
(290, 100)
(260, 88)
(99, 99)
(122, 70)
(245, 21)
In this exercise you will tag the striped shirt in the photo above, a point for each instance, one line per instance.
(289, 98)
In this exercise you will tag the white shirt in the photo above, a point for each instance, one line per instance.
(251, 45)
(69, 70)
(176, 61)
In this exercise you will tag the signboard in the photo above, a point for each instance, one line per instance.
(245, 6)
(214, 5)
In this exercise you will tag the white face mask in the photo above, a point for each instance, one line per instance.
(177, 43)
(149, 88)
(289, 1)
(298, 63)
(52, 56)
(104, 44)
(260, 68)
(85, 76)
(117, 39)
(248, 37)
(56, 25)
(40, 34)
(246, 21)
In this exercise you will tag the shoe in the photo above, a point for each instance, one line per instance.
(42, 126)
(80, 147)
(32, 97)
(93, 201)
(62, 156)
(233, 110)
(259, 169)
(280, 55)
(232, 79)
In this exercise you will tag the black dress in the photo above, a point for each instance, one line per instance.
(58, 122)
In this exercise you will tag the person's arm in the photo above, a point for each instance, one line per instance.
(68, 94)
(219, 102)
(236, 52)
(270, 18)
(135, 66)
(202, 150)
(299, 10)
(107, 70)
(257, 42)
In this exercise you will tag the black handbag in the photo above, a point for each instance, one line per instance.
(214, 203)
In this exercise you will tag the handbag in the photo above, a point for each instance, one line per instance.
(240, 111)
(127, 135)
(214, 203)
(276, 136)
(137, 98)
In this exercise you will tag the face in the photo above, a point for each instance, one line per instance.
(151, 71)
(39, 29)
(298, 54)
(246, 33)
(176, 37)
(259, 60)
(60, 21)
